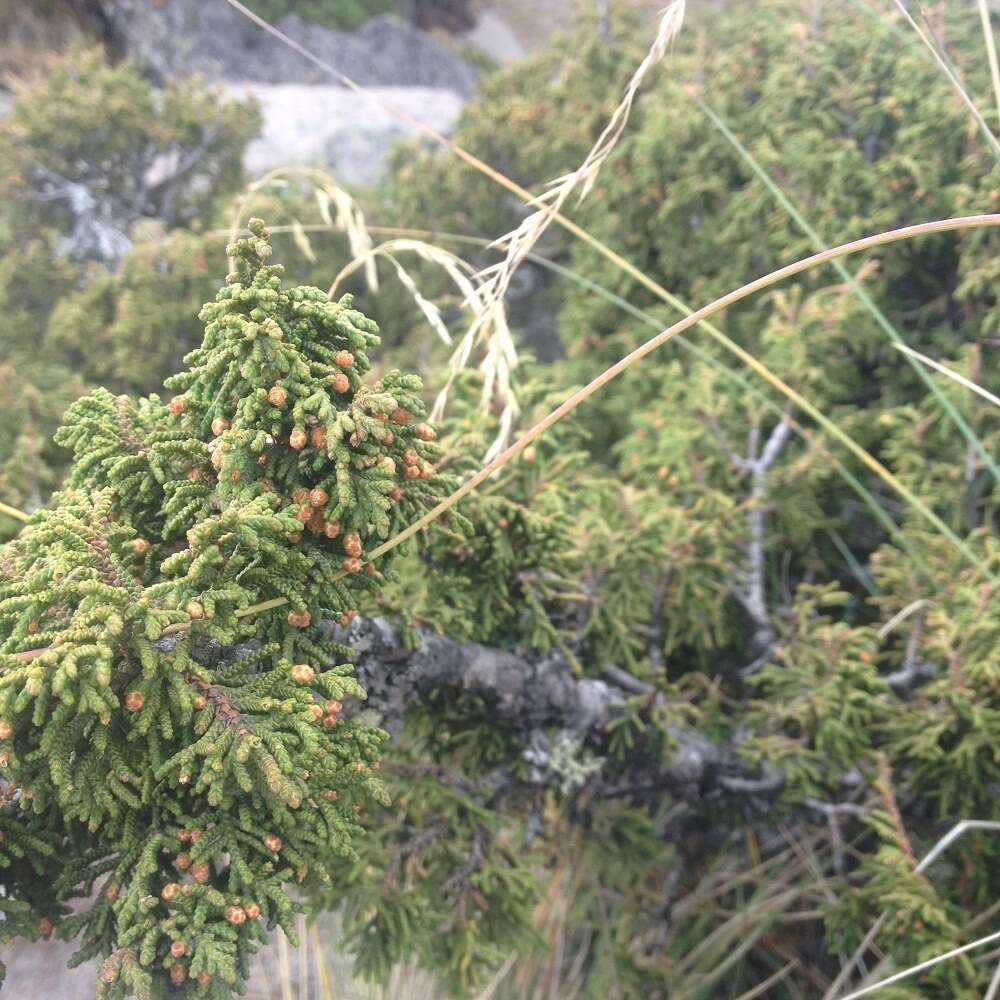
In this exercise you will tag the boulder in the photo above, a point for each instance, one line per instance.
(348, 133)
(184, 37)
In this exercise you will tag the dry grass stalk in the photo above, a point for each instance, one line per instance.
(991, 51)
(520, 242)
(952, 78)
(460, 272)
(953, 375)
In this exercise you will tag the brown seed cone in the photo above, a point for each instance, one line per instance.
(340, 382)
(344, 358)
(297, 439)
(277, 395)
(302, 673)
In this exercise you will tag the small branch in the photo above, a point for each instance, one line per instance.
(627, 681)
(775, 443)
(833, 812)
(92, 238)
(753, 594)
(914, 670)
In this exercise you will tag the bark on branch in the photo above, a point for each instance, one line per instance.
(534, 693)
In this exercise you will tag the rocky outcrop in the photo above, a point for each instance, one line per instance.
(348, 133)
(184, 37)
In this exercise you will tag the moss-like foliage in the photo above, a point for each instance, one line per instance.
(195, 785)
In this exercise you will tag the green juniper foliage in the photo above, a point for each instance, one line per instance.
(170, 714)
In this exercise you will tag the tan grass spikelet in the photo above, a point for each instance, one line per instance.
(337, 208)
(519, 243)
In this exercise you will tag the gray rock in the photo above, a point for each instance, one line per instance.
(336, 128)
(183, 37)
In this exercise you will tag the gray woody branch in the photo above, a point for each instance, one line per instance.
(532, 694)
(753, 593)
